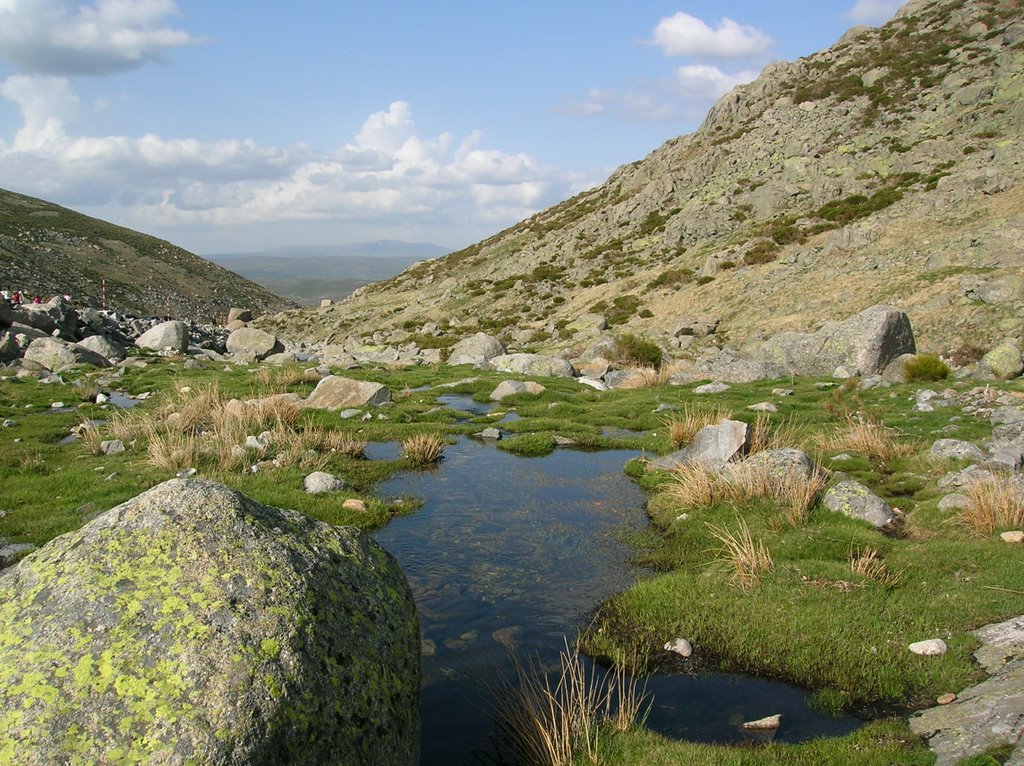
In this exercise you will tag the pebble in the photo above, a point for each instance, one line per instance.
(1016, 536)
(354, 504)
(56, 405)
(782, 392)
(763, 407)
(945, 699)
(9, 424)
(712, 388)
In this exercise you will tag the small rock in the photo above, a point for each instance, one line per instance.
(763, 724)
(349, 413)
(112, 447)
(490, 433)
(1016, 536)
(945, 699)
(712, 388)
(9, 423)
(111, 477)
(56, 405)
(823, 385)
(102, 398)
(186, 473)
(930, 648)
(354, 504)
(954, 502)
(763, 407)
(321, 483)
(680, 646)
(782, 392)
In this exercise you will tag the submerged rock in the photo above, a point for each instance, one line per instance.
(194, 625)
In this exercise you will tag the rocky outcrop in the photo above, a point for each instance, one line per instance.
(534, 364)
(194, 625)
(866, 343)
(986, 715)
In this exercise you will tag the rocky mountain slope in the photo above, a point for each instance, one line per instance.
(51, 250)
(885, 169)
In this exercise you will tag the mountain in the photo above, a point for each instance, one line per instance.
(306, 274)
(50, 250)
(886, 168)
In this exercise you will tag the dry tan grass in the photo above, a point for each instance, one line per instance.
(91, 437)
(423, 449)
(646, 377)
(866, 436)
(329, 440)
(88, 390)
(993, 503)
(747, 558)
(698, 487)
(683, 427)
(868, 562)
(555, 722)
(279, 380)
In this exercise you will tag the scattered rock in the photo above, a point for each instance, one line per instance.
(248, 340)
(764, 724)
(857, 501)
(533, 364)
(679, 646)
(929, 648)
(169, 336)
(112, 447)
(954, 502)
(354, 504)
(955, 449)
(712, 388)
(337, 393)
(1003, 362)
(322, 483)
(712, 447)
(490, 433)
(1014, 536)
(763, 407)
(512, 387)
(946, 699)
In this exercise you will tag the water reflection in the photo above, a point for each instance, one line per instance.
(511, 552)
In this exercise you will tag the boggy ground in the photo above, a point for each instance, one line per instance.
(823, 615)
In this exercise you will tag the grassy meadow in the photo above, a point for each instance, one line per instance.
(753, 571)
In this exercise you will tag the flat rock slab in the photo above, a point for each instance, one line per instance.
(983, 716)
(337, 393)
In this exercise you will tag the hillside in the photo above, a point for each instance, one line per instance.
(306, 274)
(51, 250)
(884, 169)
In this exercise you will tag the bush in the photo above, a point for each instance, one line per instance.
(629, 349)
(925, 367)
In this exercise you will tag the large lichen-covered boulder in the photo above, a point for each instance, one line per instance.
(192, 625)
(56, 355)
(167, 336)
(1003, 362)
(249, 340)
(476, 348)
(853, 499)
(534, 364)
(866, 343)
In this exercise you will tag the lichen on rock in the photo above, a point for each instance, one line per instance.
(194, 625)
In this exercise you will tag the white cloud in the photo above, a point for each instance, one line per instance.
(874, 11)
(386, 174)
(703, 82)
(60, 37)
(686, 35)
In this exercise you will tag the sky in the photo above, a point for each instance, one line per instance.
(230, 127)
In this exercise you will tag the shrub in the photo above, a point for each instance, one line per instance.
(671, 277)
(925, 367)
(630, 349)
(765, 251)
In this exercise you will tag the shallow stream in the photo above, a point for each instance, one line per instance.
(510, 552)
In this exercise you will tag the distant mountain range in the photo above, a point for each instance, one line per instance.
(306, 274)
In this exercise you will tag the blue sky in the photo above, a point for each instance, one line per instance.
(244, 126)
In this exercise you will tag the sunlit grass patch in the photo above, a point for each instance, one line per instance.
(683, 427)
(867, 436)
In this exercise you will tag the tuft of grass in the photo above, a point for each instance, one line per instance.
(646, 377)
(993, 503)
(747, 558)
(682, 428)
(423, 449)
(868, 562)
(925, 368)
(867, 436)
(556, 721)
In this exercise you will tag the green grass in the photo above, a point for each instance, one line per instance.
(945, 582)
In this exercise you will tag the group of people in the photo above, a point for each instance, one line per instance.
(17, 297)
